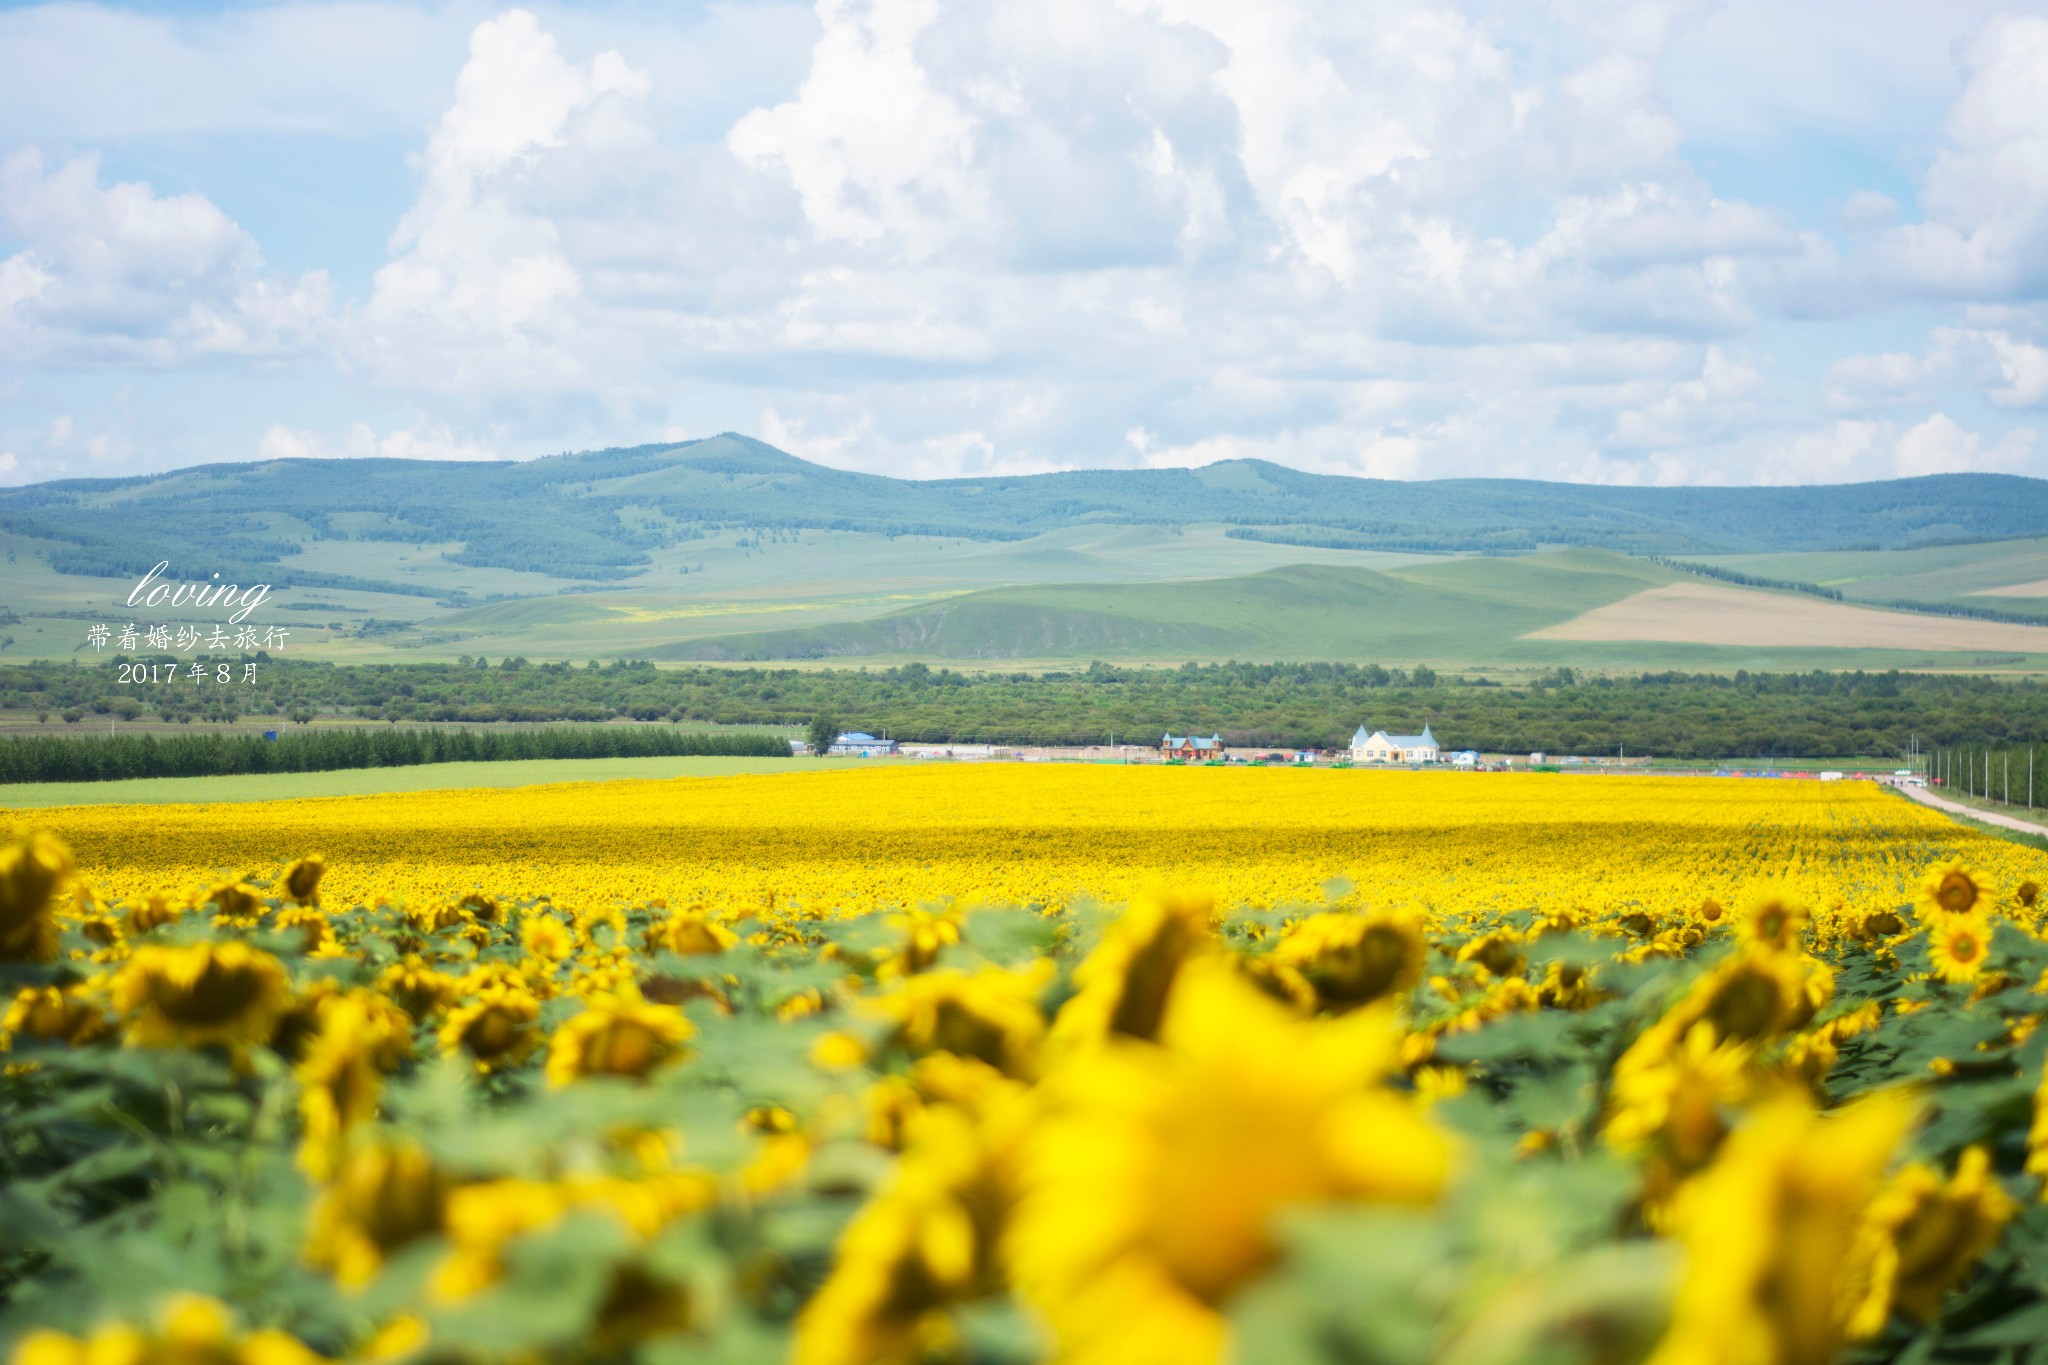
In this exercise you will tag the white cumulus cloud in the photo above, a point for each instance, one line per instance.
(1939, 446)
(872, 148)
(1985, 230)
(117, 274)
(1408, 238)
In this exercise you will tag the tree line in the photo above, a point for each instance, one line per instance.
(1747, 580)
(104, 758)
(1679, 715)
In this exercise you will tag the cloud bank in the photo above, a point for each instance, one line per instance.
(1403, 239)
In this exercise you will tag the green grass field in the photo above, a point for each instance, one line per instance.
(1470, 614)
(371, 781)
(1470, 608)
(1940, 574)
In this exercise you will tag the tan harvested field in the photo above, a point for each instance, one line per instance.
(1709, 614)
(2037, 588)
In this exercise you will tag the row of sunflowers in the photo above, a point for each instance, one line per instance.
(1789, 1111)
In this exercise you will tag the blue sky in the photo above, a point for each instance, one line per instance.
(1645, 241)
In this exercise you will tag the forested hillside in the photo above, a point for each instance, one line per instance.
(595, 516)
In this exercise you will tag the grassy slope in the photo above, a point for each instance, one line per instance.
(1474, 607)
(1941, 573)
(1464, 614)
(808, 577)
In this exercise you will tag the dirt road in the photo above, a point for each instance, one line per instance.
(1928, 798)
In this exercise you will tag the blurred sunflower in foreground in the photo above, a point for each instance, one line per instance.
(1677, 1081)
(1150, 1185)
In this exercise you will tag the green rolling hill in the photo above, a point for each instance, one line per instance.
(1461, 608)
(726, 548)
(604, 515)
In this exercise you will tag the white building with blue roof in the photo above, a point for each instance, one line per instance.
(860, 743)
(1381, 747)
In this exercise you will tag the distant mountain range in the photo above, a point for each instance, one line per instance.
(595, 516)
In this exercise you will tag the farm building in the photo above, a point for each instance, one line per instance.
(1191, 747)
(861, 744)
(1381, 747)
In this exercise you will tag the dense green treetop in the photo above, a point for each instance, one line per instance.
(1671, 714)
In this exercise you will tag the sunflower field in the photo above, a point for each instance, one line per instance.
(1016, 1064)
